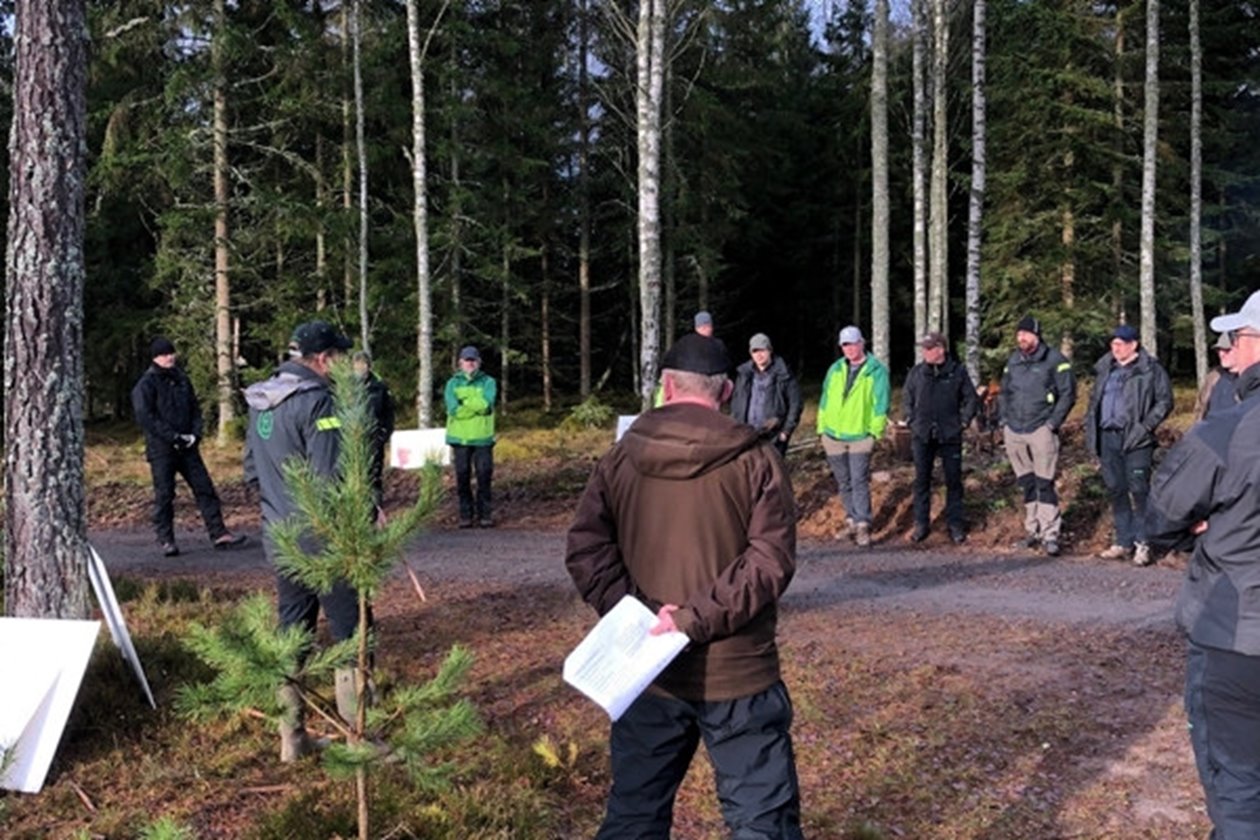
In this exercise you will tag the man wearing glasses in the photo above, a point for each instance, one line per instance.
(1207, 488)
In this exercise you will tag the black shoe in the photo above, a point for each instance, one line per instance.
(465, 523)
(229, 541)
(920, 533)
(1052, 548)
(958, 535)
(169, 549)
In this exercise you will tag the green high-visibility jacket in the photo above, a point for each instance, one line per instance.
(470, 409)
(864, 411)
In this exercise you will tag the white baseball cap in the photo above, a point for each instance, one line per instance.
(1248, 316)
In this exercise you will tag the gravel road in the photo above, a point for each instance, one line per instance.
(1018, 585)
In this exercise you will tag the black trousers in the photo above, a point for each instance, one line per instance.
(1128, 479)
(925, 454)
(468, 459)
(299, 604)
(188, 463)
(753, 766)
(1223, 707)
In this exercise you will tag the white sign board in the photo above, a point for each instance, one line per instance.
(623, 423)
(42, 661)
(114, 619)
(411, 449)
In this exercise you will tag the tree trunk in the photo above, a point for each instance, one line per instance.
(938, 229)
(347, 158)
(1150, 136)
(584, 203)
(420, 215)
(45, 533)
(544, 326)
(505, 320)
(457, 223)
(224, 361)
(360, 151)
(1196, 196)
(975, 209)
(321, 238)
(1117, 169)
(879, 183)
(650, 48)
(918, 142)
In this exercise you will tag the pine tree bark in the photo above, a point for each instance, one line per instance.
(650, 54)
(975, 210)
(879, 183)
(1150, 137)
(1196, 196)
(224, 359)
(45, 533)
(918, 143)
(584, 203)
(938, 228)
(360, 151)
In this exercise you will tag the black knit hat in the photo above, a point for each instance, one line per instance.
(1029, 324)
(161, 346)
(695, 353)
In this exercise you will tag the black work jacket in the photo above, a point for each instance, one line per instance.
(1148, 399)
(165, 406)
(1037, 390)
(939, 401)
(784, 396)
(1213, 474)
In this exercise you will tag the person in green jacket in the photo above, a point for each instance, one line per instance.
(852, 414)
(470, 396)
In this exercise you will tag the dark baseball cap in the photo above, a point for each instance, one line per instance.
(1125, 332)
(318, 337)
(695, 353)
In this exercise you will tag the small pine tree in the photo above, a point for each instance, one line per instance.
(251, 655)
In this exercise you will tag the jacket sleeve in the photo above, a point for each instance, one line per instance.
(1065, 386)
(759, 576)
(883, 396)
(490, 390)
(323, 434)
(909, 395)
(144, 406)
(793, 389)
(822, 400)
(591, 553)
(1162, 405)
(967, 402)
(1182, 490)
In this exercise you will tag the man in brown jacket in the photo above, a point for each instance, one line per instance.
(693, 514)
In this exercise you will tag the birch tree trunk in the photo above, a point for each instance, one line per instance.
(1196, 197)
(224, 360)
(975, 210)
(1117, 169)
(417, 52)
(584, 202)
(45, 528)
(457, 221)
(347, 156)
(650, 48)
(938, 228)
(360, 152)
(1150, 136)
(879, 183)
(918, 142)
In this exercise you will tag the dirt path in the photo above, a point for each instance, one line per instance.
(1016, 585)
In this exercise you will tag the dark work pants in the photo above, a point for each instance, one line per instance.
(1223, 707)
(298, 604)
(1128, 477)
(188, 463)
(749, 745)
(925, 453)
(467, 460)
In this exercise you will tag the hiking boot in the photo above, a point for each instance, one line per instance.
(862, 535)
(957, 535)
(920, 533)
(1115, 552)
(229, 541)
(1052, 548)
(169, 549)
(1142, 555)
(465, 523)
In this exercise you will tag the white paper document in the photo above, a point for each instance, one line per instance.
(618, 659)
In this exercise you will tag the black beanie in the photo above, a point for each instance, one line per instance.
(1029, 324)
(161, 346)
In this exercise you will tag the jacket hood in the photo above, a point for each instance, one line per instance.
(682, 440)
(291, 378)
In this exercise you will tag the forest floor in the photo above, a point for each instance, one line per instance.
(940, 691)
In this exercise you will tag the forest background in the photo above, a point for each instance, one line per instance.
(530, 152)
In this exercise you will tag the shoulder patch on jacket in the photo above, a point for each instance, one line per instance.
(327, 424)
(1063, 366)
